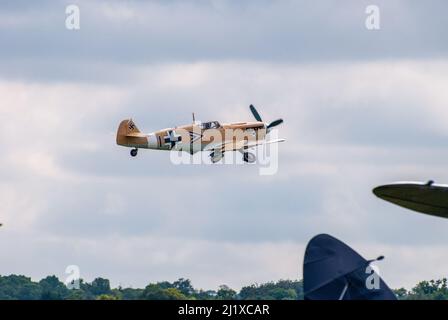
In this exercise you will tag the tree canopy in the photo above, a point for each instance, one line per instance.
(19, 287)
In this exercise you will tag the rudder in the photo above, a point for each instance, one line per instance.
(127, 129)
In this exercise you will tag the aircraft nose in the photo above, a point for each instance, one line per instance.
(383, 191)
(378, 191)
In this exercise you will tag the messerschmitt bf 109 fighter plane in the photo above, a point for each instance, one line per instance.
(210, 136)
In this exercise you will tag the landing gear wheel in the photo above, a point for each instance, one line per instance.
(249, 157)
(134, 152)
(215, 158)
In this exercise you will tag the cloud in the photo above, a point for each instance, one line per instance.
(140, 32)
(360, 109)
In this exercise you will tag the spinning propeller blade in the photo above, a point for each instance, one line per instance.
(274, 123)
(255, 113)
(258, 118)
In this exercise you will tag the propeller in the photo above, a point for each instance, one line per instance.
(255, 113)
(258, 118)
(274, 123)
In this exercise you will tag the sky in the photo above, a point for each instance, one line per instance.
(361, 108)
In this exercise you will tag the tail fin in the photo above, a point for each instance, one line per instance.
(127, 129)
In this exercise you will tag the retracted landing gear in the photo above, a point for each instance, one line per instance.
(134, 152)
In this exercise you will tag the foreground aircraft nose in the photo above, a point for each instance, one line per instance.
(382, 191)
(426, 198)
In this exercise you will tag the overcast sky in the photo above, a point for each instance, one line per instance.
(361, 108)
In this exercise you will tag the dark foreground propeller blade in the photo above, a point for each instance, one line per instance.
(275, 123)
(255, 113)
(334, 271)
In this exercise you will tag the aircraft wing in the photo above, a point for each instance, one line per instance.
(240, 145)
(257, 143)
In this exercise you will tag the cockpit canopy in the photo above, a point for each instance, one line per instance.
(210, 125)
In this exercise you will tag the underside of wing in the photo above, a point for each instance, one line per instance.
(258, 143)
(240, 145)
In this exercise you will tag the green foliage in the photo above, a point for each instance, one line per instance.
(128, 293)
(225, 293)
(281, 290)
(184, 286)
(429, 290)
(17, 287)
(157, 292)
(78, 294)
(107, 297)
(53, 289)
(99, 286)
(401, 293)
(205, 294)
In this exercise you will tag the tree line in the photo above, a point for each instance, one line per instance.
(19, 287)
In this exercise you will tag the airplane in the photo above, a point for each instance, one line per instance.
(423, 197)
(209, 136)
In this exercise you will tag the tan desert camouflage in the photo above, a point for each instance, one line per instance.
(200, 136)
